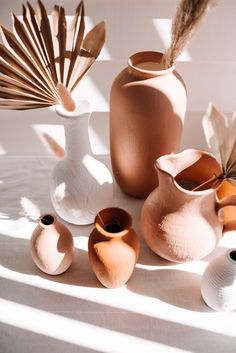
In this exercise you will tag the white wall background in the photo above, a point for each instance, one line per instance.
(208, 67)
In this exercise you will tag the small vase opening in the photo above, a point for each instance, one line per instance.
(232, 255)
(113, 221)
(47, 220)
(113, 227)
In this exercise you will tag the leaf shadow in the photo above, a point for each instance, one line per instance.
(17, 258)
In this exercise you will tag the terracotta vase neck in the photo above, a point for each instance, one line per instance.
(77, 143)
(147, 64)
(113, 222)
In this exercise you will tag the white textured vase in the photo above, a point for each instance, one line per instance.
(218, 284)
(81, 185)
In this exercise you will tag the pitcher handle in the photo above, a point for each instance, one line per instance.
(227, 201)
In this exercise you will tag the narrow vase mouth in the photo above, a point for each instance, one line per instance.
(231, 255)
(148, 64)
(46, 220)
(113, 222)
(83, 107)
(178, 167)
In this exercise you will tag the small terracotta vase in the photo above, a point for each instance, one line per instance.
(113, 247)
(147, 110)
(227, 189)
(52, 246)
(178, 223)
(218, 285)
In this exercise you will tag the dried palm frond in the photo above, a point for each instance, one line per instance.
(220, 135)
(188, 17)
(44, 59)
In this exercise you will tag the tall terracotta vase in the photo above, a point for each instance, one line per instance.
(147, 109)
(52, 246)
(178, 223)
(113, 247)
(218, 285)
(80, 184)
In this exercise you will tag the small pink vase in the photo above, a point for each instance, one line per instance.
(52, 246)
(177, 223)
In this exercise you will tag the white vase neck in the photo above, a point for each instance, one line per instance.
(77, 143)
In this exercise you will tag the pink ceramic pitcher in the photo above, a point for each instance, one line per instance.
(178, 223)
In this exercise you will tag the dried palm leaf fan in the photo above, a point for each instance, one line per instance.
(220, 135)
(44, 59)
(188, 16)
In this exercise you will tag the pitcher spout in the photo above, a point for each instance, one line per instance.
(188, 169)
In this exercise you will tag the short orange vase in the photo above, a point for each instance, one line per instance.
(227, 189)
(52, 246)
(113, 247)
(147, 110)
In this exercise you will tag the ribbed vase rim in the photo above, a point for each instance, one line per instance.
(229, 252)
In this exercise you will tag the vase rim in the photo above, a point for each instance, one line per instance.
(147, 56)
(83, 107)
(103, 218)
(229, 255)
(47, 220)
(158, 167)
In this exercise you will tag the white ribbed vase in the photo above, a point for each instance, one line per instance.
(80, 184)
(218, 284)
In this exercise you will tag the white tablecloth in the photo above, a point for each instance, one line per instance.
(159, 310)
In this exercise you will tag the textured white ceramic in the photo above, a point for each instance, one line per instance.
(80, 184)
(218, 284)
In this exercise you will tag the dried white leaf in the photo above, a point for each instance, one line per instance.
(220, 134)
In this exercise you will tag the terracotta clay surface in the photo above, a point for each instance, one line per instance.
(147, 109)
(113, 247)
(177, 223)
(227, 189)
(52, 246)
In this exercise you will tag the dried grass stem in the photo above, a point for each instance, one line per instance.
(188, 17)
